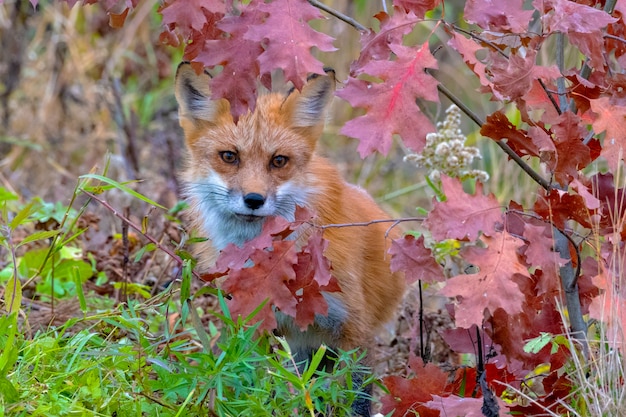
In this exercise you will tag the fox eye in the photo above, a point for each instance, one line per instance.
(229, 157)
(279, 161)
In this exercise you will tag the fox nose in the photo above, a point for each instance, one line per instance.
(253, 200)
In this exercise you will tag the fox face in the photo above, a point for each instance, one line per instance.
(241, 173)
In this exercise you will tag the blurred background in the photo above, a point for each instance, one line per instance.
(73, 90)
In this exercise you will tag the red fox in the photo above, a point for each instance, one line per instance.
(266, 164)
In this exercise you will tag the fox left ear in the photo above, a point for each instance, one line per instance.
(194, 96)
(308, 107)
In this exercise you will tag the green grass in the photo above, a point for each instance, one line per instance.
(150, 355)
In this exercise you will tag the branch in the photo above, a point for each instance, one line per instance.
(503, 145)
(137, 229)
(338, 15)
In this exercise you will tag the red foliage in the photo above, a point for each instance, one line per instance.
(568, 119)
(271, 268)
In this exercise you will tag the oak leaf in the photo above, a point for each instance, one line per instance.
(493, 286)
(287, 39)
(410, 256)
(611, 118)
(411, 394)
(463, 216)
(390, 105)
(508, 16)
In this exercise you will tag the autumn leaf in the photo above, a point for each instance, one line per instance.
(419, 7)
(376, 45)
(287, 39)
(265, 280)
(611, 118)
(410, 256)
(540, 252)
(463, 216)
(559, 206)
(189, 15)
(499, 127)
(390, 105)
(468, 49)
(407, 394)
(453, 405)
(232, 53)
(570, 17)
(492, 287)
(499, 16)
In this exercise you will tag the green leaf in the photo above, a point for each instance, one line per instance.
(124, 188)
(13, 295)
(185, 286)
(44, 234)
(79, 290)
(7, 390)
(536, 344)
(6, 195)
(148, 248)
(22, 215)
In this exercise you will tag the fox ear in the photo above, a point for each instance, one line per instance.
(308, 107)
(194, 95)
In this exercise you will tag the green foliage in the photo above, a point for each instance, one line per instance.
(140, 357)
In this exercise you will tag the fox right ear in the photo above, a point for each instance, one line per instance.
(194, 96)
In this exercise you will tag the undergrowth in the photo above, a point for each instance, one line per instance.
(149, 355)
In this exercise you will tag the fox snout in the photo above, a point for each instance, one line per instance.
(253, 201)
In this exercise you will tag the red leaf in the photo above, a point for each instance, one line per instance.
(572, 154)
(567, 16)
(468, 49)
(560, 206)
(307, 289)
(391, 104)
(116, 20)
(375, 45)
(497, 264)
(463, 216)
(237, 82)
(265, 280)
(541, 253)
(498, 127)
(612, 119)
(288, 39)
(411, 394)
(419, 7)
(499, 16)
(461, 407)
(188, 15)
(415, 260)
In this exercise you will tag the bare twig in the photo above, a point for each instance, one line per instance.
(503, 145)
(369, 223)
(137, 229)
(338, 15)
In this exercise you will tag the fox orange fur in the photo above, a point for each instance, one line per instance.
(264, 165)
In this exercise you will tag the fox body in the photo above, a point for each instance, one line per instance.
(266, 164)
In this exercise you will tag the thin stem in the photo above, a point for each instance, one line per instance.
(338, 15)
(503, 145)
(137, 229)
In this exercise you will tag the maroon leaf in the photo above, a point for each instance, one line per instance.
(508, 16)
(415, 260)
(411, 394)
(497, 264)
(288, 39)
(463, 216)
